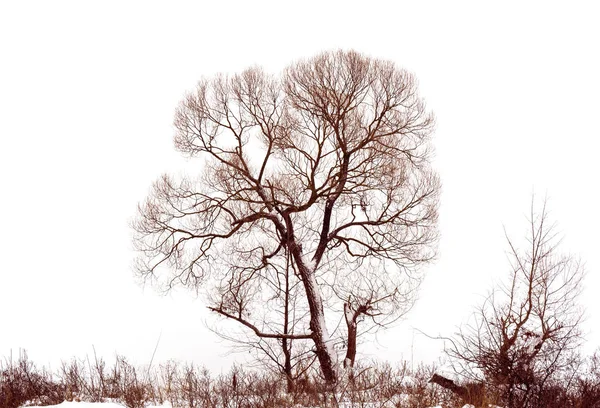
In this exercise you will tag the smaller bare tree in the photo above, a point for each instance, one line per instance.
(526, 332)
(375, 302)
(284, 312)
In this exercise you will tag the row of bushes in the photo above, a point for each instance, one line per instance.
(186, 385)
(23, 383)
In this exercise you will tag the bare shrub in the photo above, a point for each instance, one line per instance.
(195, 387)
(127, 385)
(524, 338)
(375, 385)
(21, 382)
(587, 385)
(421, 393)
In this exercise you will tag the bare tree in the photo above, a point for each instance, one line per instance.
(290, 357)
(375, 302)
(527, 332)
(328, 165)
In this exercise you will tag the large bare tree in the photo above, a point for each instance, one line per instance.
(327, 166)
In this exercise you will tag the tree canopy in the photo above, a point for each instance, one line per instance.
(318, 180)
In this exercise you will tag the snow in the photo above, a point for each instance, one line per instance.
(533, 341)
(446, 371)
(309, 263)
(277, 216)
(408, 381)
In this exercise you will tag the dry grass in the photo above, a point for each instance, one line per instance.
(187, 385)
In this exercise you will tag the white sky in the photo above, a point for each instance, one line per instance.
(87, 96)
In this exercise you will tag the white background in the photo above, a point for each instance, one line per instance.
(87, 95)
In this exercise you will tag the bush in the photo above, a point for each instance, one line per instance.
(22, 382)
(373, 385)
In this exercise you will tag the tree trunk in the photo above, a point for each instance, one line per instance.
(324, 350)
(351, 324)
(286, 344)
(473, 394)
(325, 353)
(351, 349)
(287, 364)
(320, 335)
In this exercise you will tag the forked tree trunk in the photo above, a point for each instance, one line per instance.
(352, 315)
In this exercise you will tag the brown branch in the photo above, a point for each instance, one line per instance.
(257, 331)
